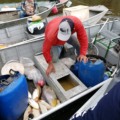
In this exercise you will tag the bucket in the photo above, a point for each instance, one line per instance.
(13, 99)
(91, 73)
(74, 68)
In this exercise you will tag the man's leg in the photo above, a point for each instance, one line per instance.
(74, 42)
(55, 53)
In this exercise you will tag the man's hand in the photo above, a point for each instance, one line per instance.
(82, 57)
(50, 68)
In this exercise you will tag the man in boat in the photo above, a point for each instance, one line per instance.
(59, 31)
(28, 8)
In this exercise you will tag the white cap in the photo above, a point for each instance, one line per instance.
(64, 31)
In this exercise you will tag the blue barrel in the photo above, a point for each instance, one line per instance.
(13, 99)
(74, 68)
(91, 73)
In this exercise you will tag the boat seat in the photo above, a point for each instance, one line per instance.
(108, 37)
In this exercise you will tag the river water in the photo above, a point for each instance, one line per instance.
(113, 5)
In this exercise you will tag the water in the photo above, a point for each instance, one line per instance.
(67, 83)
(113, 5)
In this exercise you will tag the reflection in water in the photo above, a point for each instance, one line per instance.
(113, 5)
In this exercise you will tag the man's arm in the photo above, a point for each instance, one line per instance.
(47, 45)
(46, 52)
(50, 68)
(83, 40)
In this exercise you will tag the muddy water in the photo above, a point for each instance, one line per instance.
(113, 5)
(67, 83)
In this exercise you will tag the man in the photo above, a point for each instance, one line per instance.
(28, 8)
(57, 33)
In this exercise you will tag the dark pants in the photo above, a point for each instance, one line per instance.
(108, 108)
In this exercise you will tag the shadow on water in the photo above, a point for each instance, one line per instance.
(113, 5)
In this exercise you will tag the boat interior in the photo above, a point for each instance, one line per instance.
(22, 44)
(16, 42)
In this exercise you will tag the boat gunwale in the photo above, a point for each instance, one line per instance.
(99, 15)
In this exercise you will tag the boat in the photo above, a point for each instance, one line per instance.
(98, 8)
(43, 11)
(96, 14)
(20, 24)
(14, 16)
(93, 15)
(16, 43)
(92, 20)
(29, 50)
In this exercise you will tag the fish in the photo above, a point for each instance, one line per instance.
(49, 95)
(43, 108)
(27, 112)
(31, 113)
(45, 104)
(29, 95)
(33, 103)
(58, 102)
(35, 112)
(36, 93)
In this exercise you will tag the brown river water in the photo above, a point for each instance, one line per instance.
(113, 5)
